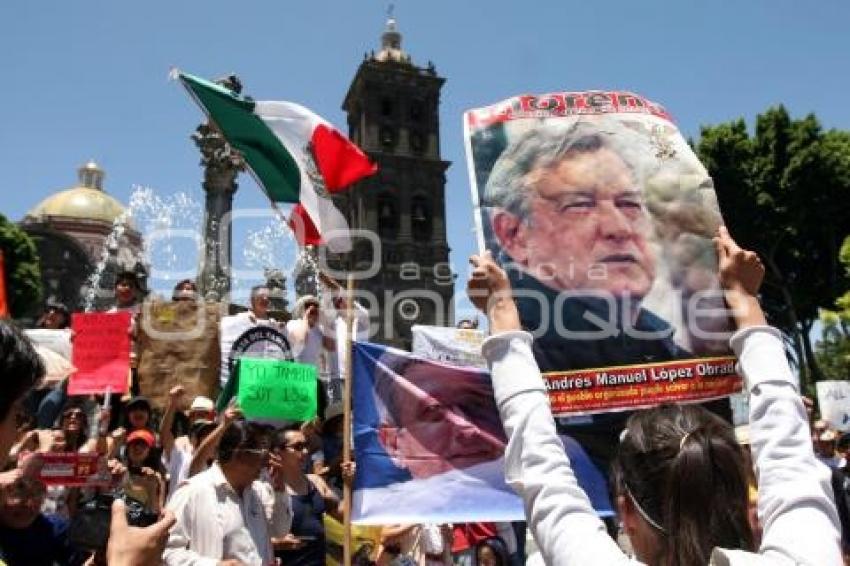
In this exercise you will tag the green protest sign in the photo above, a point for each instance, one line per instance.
(275, 389)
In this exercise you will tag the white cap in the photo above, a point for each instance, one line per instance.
(201, 403)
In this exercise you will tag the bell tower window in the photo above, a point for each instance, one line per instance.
(421, 222)
(387, 217)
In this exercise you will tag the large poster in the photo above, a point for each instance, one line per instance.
(423, 428)
(178, 344)
(603, 216)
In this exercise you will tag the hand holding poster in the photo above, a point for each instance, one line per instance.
(101, 353)
(275, 389)
(602, 216)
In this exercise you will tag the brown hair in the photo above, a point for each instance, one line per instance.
(683, 469)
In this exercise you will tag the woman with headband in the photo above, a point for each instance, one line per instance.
(679, 474)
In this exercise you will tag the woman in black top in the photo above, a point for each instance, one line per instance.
(310, 496)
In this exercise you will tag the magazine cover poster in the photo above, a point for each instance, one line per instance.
(603, 217)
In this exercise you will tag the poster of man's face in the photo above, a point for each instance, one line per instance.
(436, 418)
(604, 221)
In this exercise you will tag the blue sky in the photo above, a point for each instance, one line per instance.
(88, 79)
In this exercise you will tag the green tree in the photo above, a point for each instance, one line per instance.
(833, 349)
(785, 192)
(23, 274)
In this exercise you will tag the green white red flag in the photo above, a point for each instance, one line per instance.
(295, 155)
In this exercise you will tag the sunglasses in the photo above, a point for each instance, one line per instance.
(77, 413)
(297, 446)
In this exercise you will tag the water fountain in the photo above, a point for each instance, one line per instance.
(164, 222)
(171, 228)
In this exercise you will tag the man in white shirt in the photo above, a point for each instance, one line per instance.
(221, 512)
(336, 316)
(304, 332)
(232, 327)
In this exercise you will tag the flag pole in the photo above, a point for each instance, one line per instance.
(346, 402)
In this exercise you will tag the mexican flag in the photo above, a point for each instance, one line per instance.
(295, 155)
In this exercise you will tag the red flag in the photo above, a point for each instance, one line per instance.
(303, 228)
(4, 302)
(340, 162)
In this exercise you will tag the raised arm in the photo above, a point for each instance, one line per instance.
(795, 500)
(206, 449)
(166, 437)
(559, 514)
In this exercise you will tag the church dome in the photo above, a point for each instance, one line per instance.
(86, 200)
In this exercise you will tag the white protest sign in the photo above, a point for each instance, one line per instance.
(834, 402)
(58, 341)
(232, 327)
(455, 346)
(54, 348)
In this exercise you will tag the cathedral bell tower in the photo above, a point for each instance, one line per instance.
(393, 115)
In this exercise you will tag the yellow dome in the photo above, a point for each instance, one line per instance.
(86, 200)
(80, 202)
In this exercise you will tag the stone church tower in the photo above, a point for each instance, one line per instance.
(393, 115)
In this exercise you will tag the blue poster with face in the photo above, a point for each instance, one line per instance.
(429, 444)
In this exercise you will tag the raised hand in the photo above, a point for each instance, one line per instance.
(489, 289)
(349, 470)
(136, 546)
(231, 413)
(741, 273)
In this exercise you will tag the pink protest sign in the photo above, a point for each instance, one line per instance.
(101, 353)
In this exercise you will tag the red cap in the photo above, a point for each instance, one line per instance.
(144, 435)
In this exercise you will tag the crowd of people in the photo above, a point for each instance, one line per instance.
(220, 489)
(186, 484)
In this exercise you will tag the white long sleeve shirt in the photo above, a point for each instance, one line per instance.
(306, 341)
(795, 496)
(214, 523)
(360, 321)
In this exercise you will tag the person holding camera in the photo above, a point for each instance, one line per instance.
(142, 482)
(20, 370)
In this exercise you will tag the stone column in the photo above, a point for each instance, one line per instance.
(221, 166)
(219, 186)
